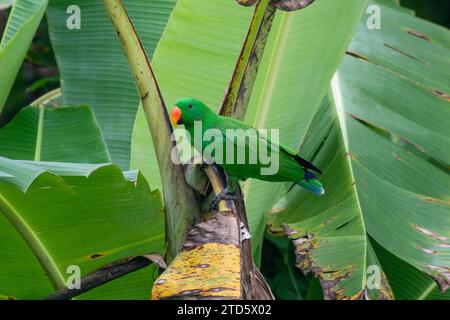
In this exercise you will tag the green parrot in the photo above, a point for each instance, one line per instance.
(291, 167)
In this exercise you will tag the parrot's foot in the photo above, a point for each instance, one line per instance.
(203, 166)
(225, 194)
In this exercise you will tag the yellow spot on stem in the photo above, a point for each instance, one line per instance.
(210, 270)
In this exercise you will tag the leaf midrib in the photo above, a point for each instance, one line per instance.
(427, 291)
(39, 134)
(33, 241)
(337, 99)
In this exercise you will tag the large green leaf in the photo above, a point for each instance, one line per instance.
(22, 24)
(93, 68)
(407, 282)
(64, 134)
(382, 139)
(304, 55)
(322, 226)
(197, 55)
(404, 196)
(54, 215)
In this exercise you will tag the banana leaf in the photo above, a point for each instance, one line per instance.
(94, 70)
(64, 134)
(382, 140)
(56, 215)
(22, 24)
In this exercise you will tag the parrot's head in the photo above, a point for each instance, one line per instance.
(188, 110)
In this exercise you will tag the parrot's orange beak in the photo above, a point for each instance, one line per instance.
(176, 116)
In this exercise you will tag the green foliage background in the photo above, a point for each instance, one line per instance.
(437, 11)
(39, 75)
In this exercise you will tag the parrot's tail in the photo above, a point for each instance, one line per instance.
(310, 183)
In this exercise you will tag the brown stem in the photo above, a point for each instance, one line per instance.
(104, 275)
(217, 245)
(241, 85)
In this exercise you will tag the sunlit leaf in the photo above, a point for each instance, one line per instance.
(21, 26)
(56, 215)
(65, 134)
(385, 174)
(93, 68)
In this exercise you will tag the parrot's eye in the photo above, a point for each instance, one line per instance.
(190, 106)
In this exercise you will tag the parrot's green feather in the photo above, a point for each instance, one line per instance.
(227, 122)
(291, 168)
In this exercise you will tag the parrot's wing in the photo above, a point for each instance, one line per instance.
(230, 123)
(304, 163)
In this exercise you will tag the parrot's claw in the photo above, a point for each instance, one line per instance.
(225, 194)
(203, 166)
